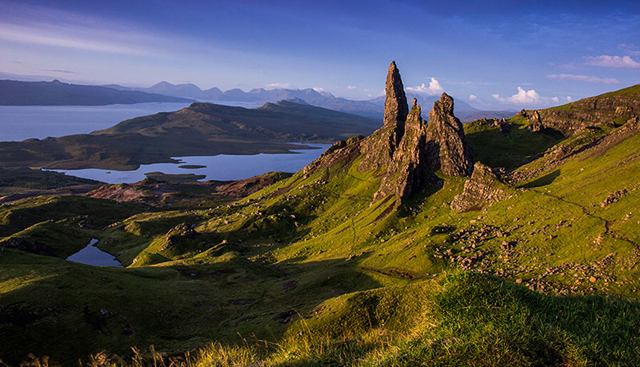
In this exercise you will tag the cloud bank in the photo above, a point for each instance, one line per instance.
(583, 78)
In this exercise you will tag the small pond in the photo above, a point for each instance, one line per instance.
(91, 255)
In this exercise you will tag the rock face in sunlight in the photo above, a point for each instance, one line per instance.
(395, 105)
(447, 146)
(482, 189)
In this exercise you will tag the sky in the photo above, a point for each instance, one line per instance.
(495, 55)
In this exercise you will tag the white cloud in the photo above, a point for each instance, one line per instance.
(569, 99)
(351, 87)
(526, 97)
(612, 61)
(473, 98)
(582, 78)
(278, 86)
(433, 89)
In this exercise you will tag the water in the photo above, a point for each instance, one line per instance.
(220, 167)
(91, 255)
(18, 123)
(23, 122)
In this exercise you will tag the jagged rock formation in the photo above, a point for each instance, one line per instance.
(406, 151)
(447, 147)
(407, 170)
(481, 189)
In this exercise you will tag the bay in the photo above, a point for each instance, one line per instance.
(221, 167)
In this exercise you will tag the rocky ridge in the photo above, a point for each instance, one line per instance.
(611, 108)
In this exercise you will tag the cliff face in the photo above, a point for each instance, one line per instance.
(610, 108)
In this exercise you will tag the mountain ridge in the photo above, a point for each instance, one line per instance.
(15, 93)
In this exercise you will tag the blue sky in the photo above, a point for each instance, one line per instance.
(494, 55)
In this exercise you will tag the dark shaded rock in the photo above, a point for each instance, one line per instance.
(85, 223)
(21, 244)
(447, 148)
(407, 170)
(481, 189)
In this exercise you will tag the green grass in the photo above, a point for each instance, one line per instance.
(308, 271)
(507, 150)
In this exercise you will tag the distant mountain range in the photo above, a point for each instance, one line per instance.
(17, 93)
(58, 93)
(373, 108)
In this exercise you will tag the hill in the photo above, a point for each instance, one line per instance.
(15, 93)
(201, 129)
(499, 242)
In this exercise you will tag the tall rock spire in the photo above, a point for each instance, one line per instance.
(395, 105)
(380, 148)
(447, 148)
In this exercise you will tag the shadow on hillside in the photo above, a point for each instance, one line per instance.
(512, 149)
(78, 310)
(543, 181)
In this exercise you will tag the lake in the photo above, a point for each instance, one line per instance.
(18, 123)
(91, 255)
(221, 167)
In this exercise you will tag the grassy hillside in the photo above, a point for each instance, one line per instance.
(311, 271)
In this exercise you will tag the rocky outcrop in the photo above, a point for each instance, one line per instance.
(447, 147)
(481, 189)
(609, 109)
(406, 151)
(407, 170)
(535, 122)
(17, 243)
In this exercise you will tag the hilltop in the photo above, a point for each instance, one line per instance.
(200, 129)
(502, 241)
